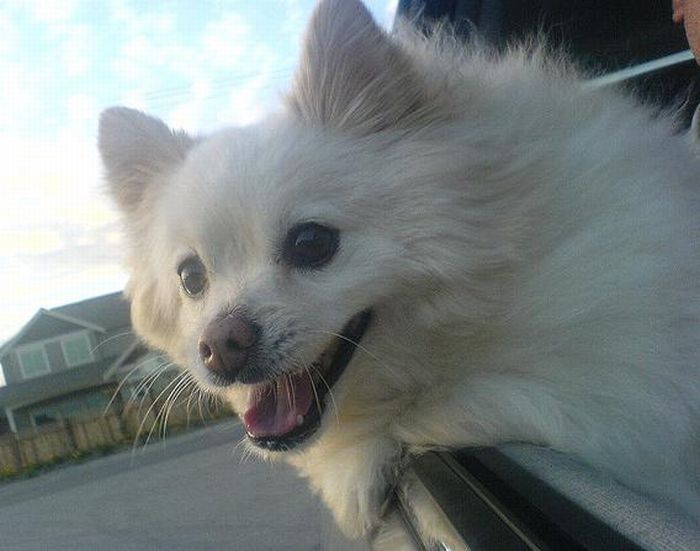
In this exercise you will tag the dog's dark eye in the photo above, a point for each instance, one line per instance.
(193, 276)
(310, 245)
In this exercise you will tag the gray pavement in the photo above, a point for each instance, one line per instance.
(194, 492)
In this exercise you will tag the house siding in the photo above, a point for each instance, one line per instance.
(56, 361)
(113, 343)
(54, 353)
(83, 402)
(66, 391)
(10, 367)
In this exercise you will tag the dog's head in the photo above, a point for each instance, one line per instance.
(283, 264)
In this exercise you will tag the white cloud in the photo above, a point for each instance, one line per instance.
(134, 99)
(151, 50)
(222, 64)
(14, 242)
(81, 113)
(37, 285)
(75, 49)
(17, 93)
(390, 13)
(80, 249)
(294, 22)
(121, 12)
(52, 10)
(188, 114)
(245, 104)
(52, 179)
(35, 77)
(57, 233)
(225, 41)
(137, 59)
(8, 31)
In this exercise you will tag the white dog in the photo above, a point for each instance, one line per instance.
(429, 246)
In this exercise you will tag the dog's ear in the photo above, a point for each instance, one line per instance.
(351, 76)
(136, 149)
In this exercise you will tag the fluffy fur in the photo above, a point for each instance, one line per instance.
(529, 247)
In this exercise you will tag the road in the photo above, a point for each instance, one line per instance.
(193, 492)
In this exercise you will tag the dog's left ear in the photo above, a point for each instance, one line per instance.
(351, 75)
(136, 151)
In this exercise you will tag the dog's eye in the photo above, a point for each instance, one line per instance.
(193, 276)
(310, 245)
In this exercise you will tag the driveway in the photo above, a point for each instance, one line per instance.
(193, 492)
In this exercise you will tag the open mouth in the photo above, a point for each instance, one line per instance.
(283, 412)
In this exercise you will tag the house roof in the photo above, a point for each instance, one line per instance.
(108, 311)
(101, 314)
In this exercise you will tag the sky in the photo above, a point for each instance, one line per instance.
(196, 65)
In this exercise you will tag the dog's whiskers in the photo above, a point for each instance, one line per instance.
(145, 390)
(313, 388)
(143, 382)
(200, 399)
(147, 382)
(351, 341)
(177, 391)
(145, 417)
(119, 387)
(109, 339)
(163, 409)
(330, 392)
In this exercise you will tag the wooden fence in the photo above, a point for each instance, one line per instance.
(78, 435)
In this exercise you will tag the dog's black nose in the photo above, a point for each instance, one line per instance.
(225, 345)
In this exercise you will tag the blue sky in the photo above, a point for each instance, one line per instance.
(197, 65)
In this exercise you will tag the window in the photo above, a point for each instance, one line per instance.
(76, 349)
(33, 361)
(43, 419)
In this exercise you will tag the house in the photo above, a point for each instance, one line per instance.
(69, 361)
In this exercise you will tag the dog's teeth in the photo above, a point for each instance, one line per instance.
(300, 420)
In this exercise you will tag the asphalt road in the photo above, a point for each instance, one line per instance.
(193, 492)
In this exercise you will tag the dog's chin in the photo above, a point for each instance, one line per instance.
(283, 413)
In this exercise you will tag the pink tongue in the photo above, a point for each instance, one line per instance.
(273, 410)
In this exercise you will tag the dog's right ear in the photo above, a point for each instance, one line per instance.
(352, 76)
(136, 150)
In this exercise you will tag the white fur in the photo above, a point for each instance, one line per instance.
(529, 247)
